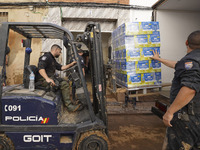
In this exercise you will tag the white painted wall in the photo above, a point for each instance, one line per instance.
(148, 3)
(175, 26)
(140, 15)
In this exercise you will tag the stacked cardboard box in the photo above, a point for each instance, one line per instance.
(133, 44)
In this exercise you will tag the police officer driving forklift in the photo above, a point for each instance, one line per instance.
(47, 66)
(183, 116)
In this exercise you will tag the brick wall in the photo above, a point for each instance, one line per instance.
(94, 1)
(20, 1)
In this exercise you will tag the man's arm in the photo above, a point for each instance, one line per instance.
(168, 63)
(44, 75)
(83, 71)
(68, 66)
(184, 96)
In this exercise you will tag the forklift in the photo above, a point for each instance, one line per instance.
(37, 120)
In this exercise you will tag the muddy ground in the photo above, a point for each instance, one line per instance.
(135, 132)
(135, 127)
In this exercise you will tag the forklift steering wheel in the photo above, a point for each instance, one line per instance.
(71, 69)
(72, 73)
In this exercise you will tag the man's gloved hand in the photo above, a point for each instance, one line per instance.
(49, 80)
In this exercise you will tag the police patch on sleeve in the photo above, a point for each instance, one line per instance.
(188, 65)
(44, 58)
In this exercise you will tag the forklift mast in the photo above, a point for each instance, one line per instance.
(92, 39)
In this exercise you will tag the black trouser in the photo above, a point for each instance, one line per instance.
(63, 85)
(184, 133)
(73, 90)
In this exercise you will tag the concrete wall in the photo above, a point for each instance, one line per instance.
(73, 18)
(140, 15)
(76, 18)
(175, 26)
(16, 55)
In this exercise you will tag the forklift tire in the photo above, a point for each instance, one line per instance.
(93, 140)
(6, 143)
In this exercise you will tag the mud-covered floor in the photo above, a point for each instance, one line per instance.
(134, 127)
(135, 132)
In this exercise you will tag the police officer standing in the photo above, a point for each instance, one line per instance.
(183, 116)
(80, 56)
(47, 66)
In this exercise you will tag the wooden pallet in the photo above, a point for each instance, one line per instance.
(139, 91)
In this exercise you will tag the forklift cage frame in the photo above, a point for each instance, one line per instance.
(52, 31)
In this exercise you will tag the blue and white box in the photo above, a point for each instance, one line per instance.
(158, 80)
(155, 64)
(133, 45)
(127, 65)
(148, 51)
(133, 53)
(149, 26)
(149, 77)
(134, 78)
(143, 65)
(141, 40)
(154, 38)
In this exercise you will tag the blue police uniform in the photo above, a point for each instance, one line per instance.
(185, 132)
(48, 62)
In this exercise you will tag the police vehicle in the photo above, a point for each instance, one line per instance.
(36, 120)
